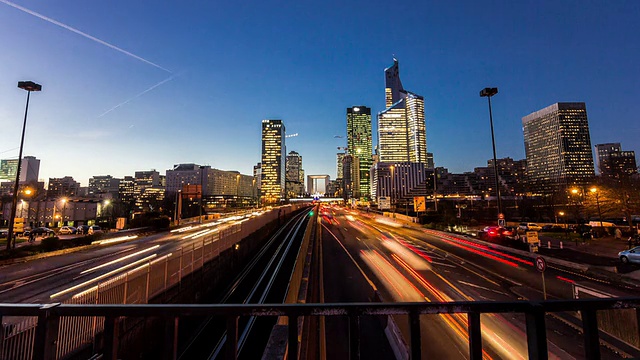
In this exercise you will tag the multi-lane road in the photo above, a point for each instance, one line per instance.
(55, 279)
(405, 264)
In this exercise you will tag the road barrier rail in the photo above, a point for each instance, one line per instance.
(49, 319)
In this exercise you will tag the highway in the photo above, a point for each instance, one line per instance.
(58, 278)
(411, 264)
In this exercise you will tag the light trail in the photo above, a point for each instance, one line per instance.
(120, 259)
(373, 286)
(68, 290)
(114, 240)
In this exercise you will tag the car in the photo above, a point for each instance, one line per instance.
(4, 233)
(66, 230)
(95, 229)
(630, 256)
(529, 227)
(497, 232)
(42, 231)
(82, 229)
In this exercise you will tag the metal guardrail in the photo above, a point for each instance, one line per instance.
(49, 318)
(136, 286)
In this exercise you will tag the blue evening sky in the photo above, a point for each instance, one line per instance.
(230, 64)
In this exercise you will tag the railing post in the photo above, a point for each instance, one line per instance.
(146, 294)
(126, 284)
(591, 336)
(475, 336)
(180, 270)
(166, 273)
(111, 336)
(46, 336)
(536, 333)
(414, 326)
(232, 337)
(354, 337)
(171, 338)
(292, 340)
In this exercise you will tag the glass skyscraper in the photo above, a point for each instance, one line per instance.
(402, 134)
(359, 145)
(273, 161)
(558, 147)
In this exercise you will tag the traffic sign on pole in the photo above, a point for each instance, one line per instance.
(541, 265)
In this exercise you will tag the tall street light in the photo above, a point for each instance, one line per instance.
(488, 93)
(29, 86)
(393, 188)
(595, 191)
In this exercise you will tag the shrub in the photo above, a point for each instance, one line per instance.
(50, 243)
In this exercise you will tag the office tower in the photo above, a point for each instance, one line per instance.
(359, 145)
(339, 171)
(185, 174)
(61, 187)
(351, 177)
(558, 147)
(126, 190)
(613, 162)
(294, 175)
(273, 161)
(29, 172)
(257, 174)
(402, 135)
(103, 184)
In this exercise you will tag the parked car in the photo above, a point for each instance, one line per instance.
(496, 232)
(82, 229)
(42, 231)
(66, 230)
(95, 229)
(529, 227)
(630, 256)
(4, 233)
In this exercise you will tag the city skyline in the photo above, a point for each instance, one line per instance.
(100, 105)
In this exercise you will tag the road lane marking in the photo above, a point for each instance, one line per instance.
(351, 257)
(482, 287)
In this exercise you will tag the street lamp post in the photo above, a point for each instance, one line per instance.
(595, 191)
(488, 93)
(64, 211)
(29, 86)
(393, 188)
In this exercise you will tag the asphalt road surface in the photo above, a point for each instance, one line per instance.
(363, 253)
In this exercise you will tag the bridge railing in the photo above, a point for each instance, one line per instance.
(49, 318)
(135, 286)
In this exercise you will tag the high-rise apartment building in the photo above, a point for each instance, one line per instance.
(273, 161)
(402, 135)
(613, 162)
(294, 177)
(185, 174)
(29, 172)
(558, 147)
(359, 145)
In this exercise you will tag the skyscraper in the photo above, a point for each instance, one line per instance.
(339, 171)
(612, 161)
(294, 175)
(558, 147)
(359, 145)
(402, 134)
(29, 172)
(273, 161)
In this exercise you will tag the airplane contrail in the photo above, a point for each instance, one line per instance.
(136, 96)
(55, 22)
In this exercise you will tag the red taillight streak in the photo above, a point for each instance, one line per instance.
(415, 250)
(512, 264)
(565, 279)
(385, 276)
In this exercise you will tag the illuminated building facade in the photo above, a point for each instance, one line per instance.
(613, 162)
(273, 161)
(294, 178)
(339, 171)
(558, 147)
(402, 135)
(359, 145)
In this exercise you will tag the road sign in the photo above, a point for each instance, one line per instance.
(501, 216)
(541, 265)
(419, 204)
(532, 237)
(502, 222)
(384, 203)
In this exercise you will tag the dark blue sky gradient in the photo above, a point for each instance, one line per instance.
(304, 62)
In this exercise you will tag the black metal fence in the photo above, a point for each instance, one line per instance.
(49, 315)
